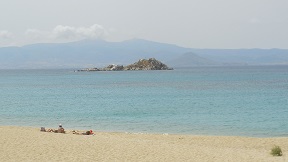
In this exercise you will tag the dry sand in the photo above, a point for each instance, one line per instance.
(29, 144)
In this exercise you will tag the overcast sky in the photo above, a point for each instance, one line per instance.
(187, 23)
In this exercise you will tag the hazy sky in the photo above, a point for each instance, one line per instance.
(188, 23)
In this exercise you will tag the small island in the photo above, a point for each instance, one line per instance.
(142, 64)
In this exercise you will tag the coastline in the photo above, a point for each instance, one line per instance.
(29, 144)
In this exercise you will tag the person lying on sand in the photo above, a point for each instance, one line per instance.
(59, 130)
(89, 132)
(51, 130)
(83, 133)
(48, 130)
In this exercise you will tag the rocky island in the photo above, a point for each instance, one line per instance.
(142, 64)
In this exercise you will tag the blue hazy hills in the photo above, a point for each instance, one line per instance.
(99, 53)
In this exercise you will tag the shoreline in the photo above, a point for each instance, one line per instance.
(30, 144)
(69, 128)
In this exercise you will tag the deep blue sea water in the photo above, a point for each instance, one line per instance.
(241, 101)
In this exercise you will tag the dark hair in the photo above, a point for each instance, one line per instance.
(87, 132)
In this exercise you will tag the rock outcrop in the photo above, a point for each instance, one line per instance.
(113, 68)
(142, 64)
(150, 64)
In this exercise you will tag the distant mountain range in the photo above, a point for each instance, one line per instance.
(97, 53)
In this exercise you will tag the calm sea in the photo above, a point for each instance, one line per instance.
(241, 101)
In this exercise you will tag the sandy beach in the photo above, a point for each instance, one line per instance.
(29, 144)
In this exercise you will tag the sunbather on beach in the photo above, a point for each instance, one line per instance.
(83, 133)
(42, 129)
(60, 129)
(50, 130)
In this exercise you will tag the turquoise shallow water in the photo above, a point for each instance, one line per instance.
(242, 101)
